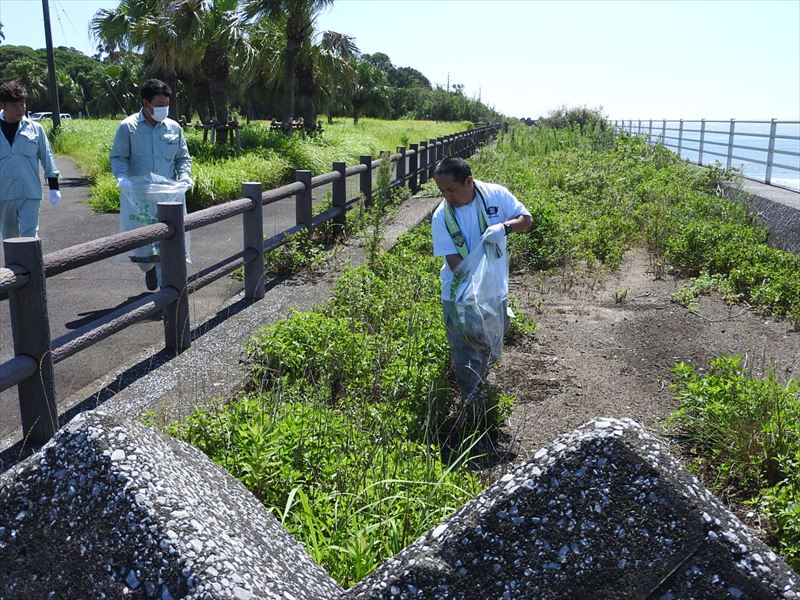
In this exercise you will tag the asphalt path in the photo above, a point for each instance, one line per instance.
(77, 297)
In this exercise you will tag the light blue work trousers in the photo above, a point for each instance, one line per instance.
(19, 218)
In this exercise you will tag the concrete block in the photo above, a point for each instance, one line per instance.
(112, 509)
(602, 512)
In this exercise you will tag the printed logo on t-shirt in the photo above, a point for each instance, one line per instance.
(492, 211)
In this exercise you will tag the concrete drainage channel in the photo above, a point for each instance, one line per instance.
(112, 509)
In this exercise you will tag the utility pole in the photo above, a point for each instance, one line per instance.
(51, 67)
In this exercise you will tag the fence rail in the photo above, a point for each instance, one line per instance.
(23, 280)
(776, 161)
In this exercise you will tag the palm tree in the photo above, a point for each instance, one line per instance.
(323, 68)
(216, 31)
(298, 17)
(114, 85)
(31, 75)
(258, 60)
(370, 91)
(70, 93)
(149, 25)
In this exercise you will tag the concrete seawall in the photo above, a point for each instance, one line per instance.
(778, 209)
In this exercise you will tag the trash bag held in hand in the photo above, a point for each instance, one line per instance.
(478, 291)
(139, 197)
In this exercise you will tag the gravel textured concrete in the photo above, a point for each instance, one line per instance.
(112, 509)
(602, 512)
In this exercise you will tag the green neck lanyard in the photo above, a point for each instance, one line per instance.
(455, 231)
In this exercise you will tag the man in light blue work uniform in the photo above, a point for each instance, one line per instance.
(149, 142)
(23, 146)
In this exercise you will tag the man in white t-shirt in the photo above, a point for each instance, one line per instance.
(472, 213)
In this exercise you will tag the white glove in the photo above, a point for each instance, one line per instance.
(55, 197)
(184, 178)
(494, 234)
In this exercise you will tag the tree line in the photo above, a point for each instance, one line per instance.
(258, 58)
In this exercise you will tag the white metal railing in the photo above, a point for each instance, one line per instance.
(766, 151)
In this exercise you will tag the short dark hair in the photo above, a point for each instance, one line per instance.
(11, 91)
(155, 87)
(455, 167)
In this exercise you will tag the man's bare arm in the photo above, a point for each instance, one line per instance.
(520, 223)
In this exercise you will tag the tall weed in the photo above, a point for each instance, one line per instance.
(337, 435)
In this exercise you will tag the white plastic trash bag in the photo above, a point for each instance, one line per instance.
(139, 197)
(478, 292)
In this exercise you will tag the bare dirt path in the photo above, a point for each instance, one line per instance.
(604, 346)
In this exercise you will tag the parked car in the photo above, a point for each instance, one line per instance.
(38, 116)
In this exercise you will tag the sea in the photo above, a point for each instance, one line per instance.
(750, 141)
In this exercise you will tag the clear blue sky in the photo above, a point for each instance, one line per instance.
(677, 59)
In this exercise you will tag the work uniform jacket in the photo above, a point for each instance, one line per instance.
(141, 149)
(19, 163)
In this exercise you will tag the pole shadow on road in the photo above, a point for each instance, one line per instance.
(92, 315)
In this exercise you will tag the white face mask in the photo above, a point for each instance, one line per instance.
(160, 113)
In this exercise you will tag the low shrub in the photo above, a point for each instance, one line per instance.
(338, 434)
(742, 434)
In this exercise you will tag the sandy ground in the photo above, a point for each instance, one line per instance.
(605, 344)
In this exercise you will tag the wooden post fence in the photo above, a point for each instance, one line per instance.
(303, 198)
(253, 237)
(177, 329)
(340, 192)
(400, 169)
(365, 179)
(30, 328)
(423, 163)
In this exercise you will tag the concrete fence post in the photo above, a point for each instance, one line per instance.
(365, 179)
(731, 133)
(650, 132)
(433, 153)
(400, 169)
(339, 188)
(413, 162)
(423, 163)
(177, 329)
(771, 151)
(680, 138)
(702, 141)
(303, 198)
(253, 237)
(664, 132)
(30, 329)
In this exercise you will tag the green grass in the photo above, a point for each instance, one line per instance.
(270, 158)
(593, 196)
(742, 435)
(337, 435)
